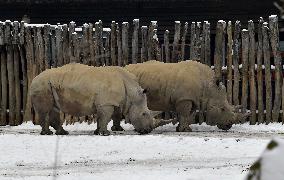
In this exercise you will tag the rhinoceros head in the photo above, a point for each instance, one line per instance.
(219, 112)
(141, 117)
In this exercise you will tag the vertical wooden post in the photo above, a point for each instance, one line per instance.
(245, 43)
(259, 72)
(230, 63)
(124, 36)
(85, 44)
(152, 26)
(59, 53)
(10, 70)
(236, 49)
(192, 41)
(218, 56)
(135, 41)
(91, 45)
(167, 48)
(157, 50)
(107, 49)
(76, 56)
(65, 47)
(183, 40)
(97, 44)
(71, 47)
(119, 48)
(198, 41)
(101, 44)
(176, 41)
(46, 38)
(144, 48)
(113, 43)
(274, 40)
(252, 85)
(3, 120)
(207, 45)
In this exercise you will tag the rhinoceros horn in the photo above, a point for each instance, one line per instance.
(161, 122)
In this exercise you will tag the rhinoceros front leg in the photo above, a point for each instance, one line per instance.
(54, 118)
(185, 115)
(117, 117)
(104, 116)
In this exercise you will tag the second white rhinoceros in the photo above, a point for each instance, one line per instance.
(82, 90)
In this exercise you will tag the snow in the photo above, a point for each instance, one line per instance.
(205, 153)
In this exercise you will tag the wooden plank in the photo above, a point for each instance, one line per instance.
(113, 43)
(157, 50)
(135, 41)
(207, 43)
(274, 40)
(218, 55)
(198, 41)
(230, 63)
(75, 44)
(119, 46)
(252, 83)
(4, 83)
(245, 43)
(65, 43)
(101, 45)
(167, 47)
(107, 49)
(183, 40)
(91, 45)
(58, 44)
(236, 49)
(71, 47)
(260, 116)
(40, 50)
(176, 41)
(85, 44)
(46, 41)
(53, 50)
(97, 44)
(10, 70)
(144, 48)
(125, 48)
(2, 34)
(192, 41)
(152, 26)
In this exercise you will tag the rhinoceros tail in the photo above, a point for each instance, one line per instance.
(55, 96)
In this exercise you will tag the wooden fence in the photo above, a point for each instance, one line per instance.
(247, 60)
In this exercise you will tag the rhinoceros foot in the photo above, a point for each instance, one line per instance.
(183, 129)
(224, 127)
(102, 132)
(46, 132)
(61, 132)
(117, 128)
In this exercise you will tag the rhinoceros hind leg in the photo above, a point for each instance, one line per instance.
(44, 123)
(55, 123)
(104, 116)
(185, 115)
(116, 117)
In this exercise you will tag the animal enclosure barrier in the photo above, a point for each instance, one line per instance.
(247, 60)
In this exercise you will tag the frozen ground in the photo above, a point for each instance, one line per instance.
(206, 153)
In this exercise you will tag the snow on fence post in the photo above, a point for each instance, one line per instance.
(3, 76)
(229, 63)
(16, 59)
(167, 48)
(107, 49)
(245, 43)
(58, 42)
(91, 45)
(85, 44)
(198, 41)
(236, 49)
(125, 48)
(10, 70)
(183, 39)
(119, 46)
(274, 40)
(113, 43)
(260, 116)
(218, 55)
(268, 85)
(144, 48)
(207, 46)
(135, 41)
(176, 41)
(252, 85)
(192, 41)
(152, 26)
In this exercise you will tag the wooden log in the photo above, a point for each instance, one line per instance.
(46, 41)
(176, 41)
(167, 47)
(274, 40)
(24, 73)
(10, 70)
(245, 43)
(65, 43)
(135, 41)
(85, 44)
(192, 41)
(252, 83)
(198, 41)
(54, 50)
(71, 47)
(76, 52)
(183, 40)
(230, 63)
(268, 85)
(119, 46)
(58, 44)
(236, 49)
(40, 48)
(124, 37)
(113, 43)
(152, 26)
(207, 43)
(144, 48)
(260, 116)
(218, 56)
(97, 44)
(157, 50)
(101, 45)
(2, 34)
(107, 49)
(4, 93)
(91, 45)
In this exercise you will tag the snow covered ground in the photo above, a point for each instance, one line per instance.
(206, 153)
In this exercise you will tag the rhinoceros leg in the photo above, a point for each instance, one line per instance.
(116, 117)
(54, 118)
(104, 116)
(44, 123)
(185, 115)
